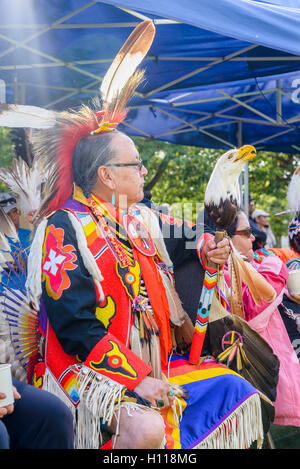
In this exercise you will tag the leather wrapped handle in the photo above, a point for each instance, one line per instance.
(219, 235)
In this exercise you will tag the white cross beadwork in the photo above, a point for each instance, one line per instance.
(54, 261)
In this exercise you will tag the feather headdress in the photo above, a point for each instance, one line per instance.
(24, 183)
(33, 117)
(60, 132)
(7, 227)
(293, 194)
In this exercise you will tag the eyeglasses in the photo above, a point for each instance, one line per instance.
(139, 164)
(247, 233)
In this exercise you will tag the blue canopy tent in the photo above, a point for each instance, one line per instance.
(218, 74)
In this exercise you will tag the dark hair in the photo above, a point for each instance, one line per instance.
(90, 153)
(232, 228)
(148, 194)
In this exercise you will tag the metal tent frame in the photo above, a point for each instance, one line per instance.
(171, 99)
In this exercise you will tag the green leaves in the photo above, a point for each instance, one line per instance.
(7, 152)
(179, 174)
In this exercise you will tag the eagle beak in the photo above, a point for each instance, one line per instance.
(245, 153)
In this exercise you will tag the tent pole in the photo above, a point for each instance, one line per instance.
(278, 102)
(244, 175)
(2, 91)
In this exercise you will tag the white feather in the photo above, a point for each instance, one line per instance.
(7, 227)
(127, 60)
(293, 193)
(130, 63)
(24, 183)
(15, 115)
(5, 256)
(4, 244)
(223, 181)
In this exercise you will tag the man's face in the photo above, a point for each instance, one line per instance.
(129, 180)
(262, 220)
(15, 217)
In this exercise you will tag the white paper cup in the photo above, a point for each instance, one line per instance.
(6, 385)
(293, 281)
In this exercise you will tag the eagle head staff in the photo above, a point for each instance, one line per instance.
(222, 195)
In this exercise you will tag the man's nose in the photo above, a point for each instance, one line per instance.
(144, 171)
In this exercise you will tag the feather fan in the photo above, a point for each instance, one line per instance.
(22, 319)
(254, 359)
(5, 251)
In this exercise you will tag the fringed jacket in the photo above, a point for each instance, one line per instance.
(88, 295)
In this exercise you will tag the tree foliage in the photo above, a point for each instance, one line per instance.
(7, 151)
(186, 171)
(178, 175)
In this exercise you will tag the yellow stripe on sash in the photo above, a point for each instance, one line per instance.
(198, 375)
(172, 420)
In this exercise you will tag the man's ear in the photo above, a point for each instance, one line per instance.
(105, 177)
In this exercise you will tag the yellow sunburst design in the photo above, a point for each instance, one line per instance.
(106, 313)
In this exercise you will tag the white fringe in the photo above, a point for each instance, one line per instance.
(87, 257)
(99, 393)
(100, 398)
(86, 426)
(34, 266)
(177, 314)
(239, 430)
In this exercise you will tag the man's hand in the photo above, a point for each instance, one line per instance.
(217, 253)
(154, 390)
(9, 408)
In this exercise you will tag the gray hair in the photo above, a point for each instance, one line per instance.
(90, 153)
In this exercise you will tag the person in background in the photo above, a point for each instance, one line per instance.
(36, 420)
(267, 320)
(9, 205)
(291, 301)
(20, 248)
(260, 218)
(260, 236)
(147, 199)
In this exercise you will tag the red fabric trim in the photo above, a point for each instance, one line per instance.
(55, 357)
(107, 445)
(159, 302)
(112, 359)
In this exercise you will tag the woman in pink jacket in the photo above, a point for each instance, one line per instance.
(265, 318)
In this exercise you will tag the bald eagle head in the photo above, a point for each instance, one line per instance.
(222, 195)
